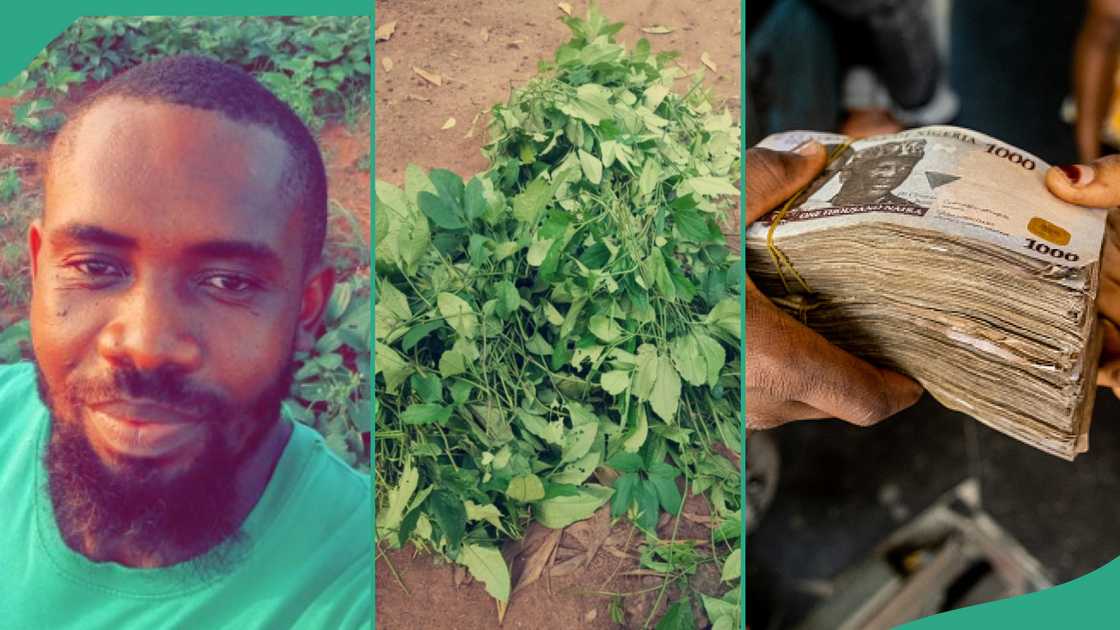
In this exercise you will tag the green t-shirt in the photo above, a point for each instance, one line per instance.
(306, 563)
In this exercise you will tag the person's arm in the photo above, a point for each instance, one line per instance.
(792, 372)
(1097, 185)
(1094, 65)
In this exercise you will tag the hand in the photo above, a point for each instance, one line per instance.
(1094, 65)
(793, 373)
(1098, 185)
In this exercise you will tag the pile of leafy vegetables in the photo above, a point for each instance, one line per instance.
(561, 331)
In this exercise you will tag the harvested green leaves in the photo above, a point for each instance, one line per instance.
(555, 333)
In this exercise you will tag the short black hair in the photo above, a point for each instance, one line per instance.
(204, 83)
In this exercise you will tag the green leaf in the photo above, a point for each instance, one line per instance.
(458, 314)
(440, 211)
(592, 167)
(578, 441)
(714, 357)
(637, 436)
(678, 617)
(390, 365)
(732, 566)
(525, 488)
(418, 332)
(509, 300)
(450, 514)
(529, 203)
(615, 382)
(648, 506)
(590, 104)
(626, 462)
(689, 361)
(551, 432)
(429, 387)
(449, 187)
(725, 316)
(560, 511)
(723, 614)
(578, 471)
(666, 393)
(668, 495)
(389, 517)
(605, 328)
(489, 513)
(452, 363)
(709, 186)
(487, 565)
(623, 493)
(426, 413)
(692, 225)
(537, 252)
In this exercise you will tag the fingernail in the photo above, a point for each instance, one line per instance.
(808, 148)
(1078, 174)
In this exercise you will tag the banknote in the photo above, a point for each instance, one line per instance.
(939, 252)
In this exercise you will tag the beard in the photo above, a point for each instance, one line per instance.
(162, 516)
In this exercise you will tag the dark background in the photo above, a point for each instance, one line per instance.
(1010, 67)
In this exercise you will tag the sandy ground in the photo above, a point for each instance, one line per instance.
(481, 50)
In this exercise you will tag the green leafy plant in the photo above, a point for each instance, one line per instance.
(320, 66)
(331, 390)
(10, 185)
(564, 320)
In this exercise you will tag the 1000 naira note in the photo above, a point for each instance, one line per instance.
(940, 253)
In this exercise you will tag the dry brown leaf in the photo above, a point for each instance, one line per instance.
(658, 29)
(565, 7)
(706, 59)
(419, 98)
(542, 543)
(387, 63)
(385, 31)
(567, 567)
(458, 575)
(485, 35)
(448, 125)
(430, 77)
(474, 121)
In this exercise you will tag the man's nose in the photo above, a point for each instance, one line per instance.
(151, 329)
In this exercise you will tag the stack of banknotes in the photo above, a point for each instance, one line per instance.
(939, 252)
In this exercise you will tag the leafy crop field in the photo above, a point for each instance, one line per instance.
(320, 66)
(557, 336)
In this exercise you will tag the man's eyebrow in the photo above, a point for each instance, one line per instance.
(92, 234)
(251, 251)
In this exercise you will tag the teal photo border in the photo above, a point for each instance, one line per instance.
(27, 28)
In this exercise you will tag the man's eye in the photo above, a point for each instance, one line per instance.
(96, 268)
(228, 283)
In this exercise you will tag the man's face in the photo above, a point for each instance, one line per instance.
(168, 289)
(884, 175)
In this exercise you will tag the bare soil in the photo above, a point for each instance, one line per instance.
(481, 50)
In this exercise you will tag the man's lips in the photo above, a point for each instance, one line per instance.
(143, 428)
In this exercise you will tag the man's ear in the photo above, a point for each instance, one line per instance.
(317, 289)
(34, 245)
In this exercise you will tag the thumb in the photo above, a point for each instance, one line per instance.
(1096, 185)
(774, 176)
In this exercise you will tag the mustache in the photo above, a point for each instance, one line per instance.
(168, 387)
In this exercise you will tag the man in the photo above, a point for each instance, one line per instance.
(148, 477)
(872, 175)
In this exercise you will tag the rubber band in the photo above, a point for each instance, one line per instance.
(782, 262)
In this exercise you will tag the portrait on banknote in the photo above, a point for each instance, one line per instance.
(872, 175)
